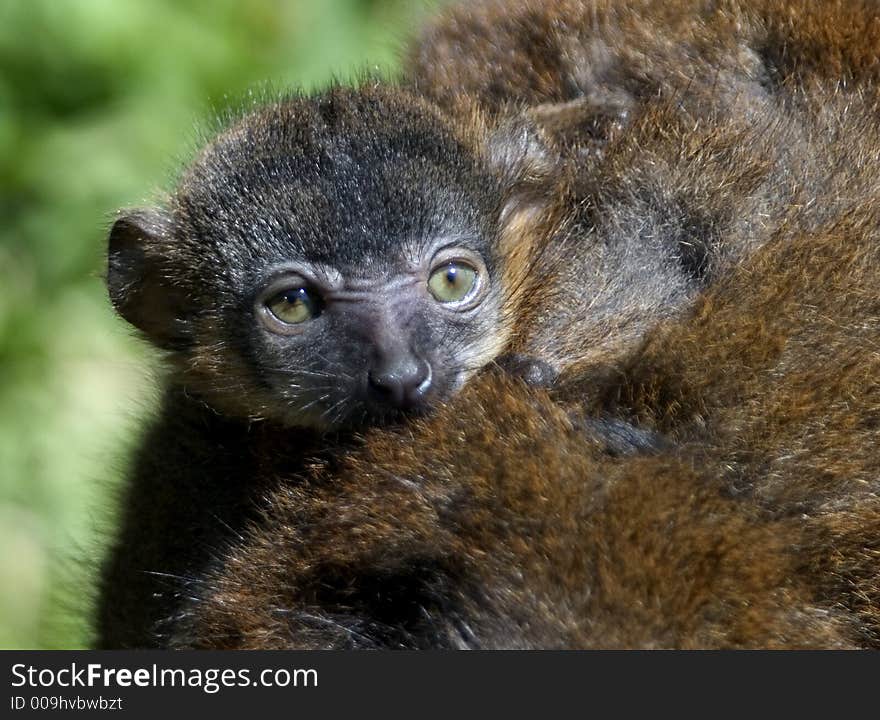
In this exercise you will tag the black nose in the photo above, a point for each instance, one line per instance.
(402, 382)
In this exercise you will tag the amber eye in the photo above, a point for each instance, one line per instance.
(452, 281)
(294, 306)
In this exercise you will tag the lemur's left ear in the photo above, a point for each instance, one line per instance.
(531, 141)
(518, 149)
(530, 169)
(535, 147)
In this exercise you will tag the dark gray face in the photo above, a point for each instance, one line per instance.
(337, 260)
(337, 344)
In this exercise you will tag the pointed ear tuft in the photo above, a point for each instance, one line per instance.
(137, 282)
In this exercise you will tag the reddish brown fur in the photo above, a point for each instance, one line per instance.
(541, 541)
(725, 119)
(556, 51)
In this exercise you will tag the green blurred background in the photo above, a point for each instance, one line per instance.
(100, 101)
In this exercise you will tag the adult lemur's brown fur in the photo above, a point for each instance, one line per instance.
(690, 152)
(726, 112)
(613, 53)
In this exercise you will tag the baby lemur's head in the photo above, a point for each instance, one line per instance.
(330, 261)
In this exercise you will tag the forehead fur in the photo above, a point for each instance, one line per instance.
(346, 177)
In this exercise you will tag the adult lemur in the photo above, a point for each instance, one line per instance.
(335, 261)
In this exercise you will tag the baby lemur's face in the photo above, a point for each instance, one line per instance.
(324, 262)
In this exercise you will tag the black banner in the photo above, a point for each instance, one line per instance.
(408, 684)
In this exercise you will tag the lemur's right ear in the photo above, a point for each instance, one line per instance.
(140, 286)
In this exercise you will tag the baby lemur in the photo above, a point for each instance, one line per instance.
(328, 261)
(338, 261)
(325, 263)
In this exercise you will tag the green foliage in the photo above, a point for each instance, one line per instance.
(97, 99)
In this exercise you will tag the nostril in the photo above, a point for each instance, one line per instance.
(387, 385)
(422, 382)
(417, 384)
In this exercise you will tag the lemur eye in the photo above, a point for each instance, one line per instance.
(452, 281)
(294, 306)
